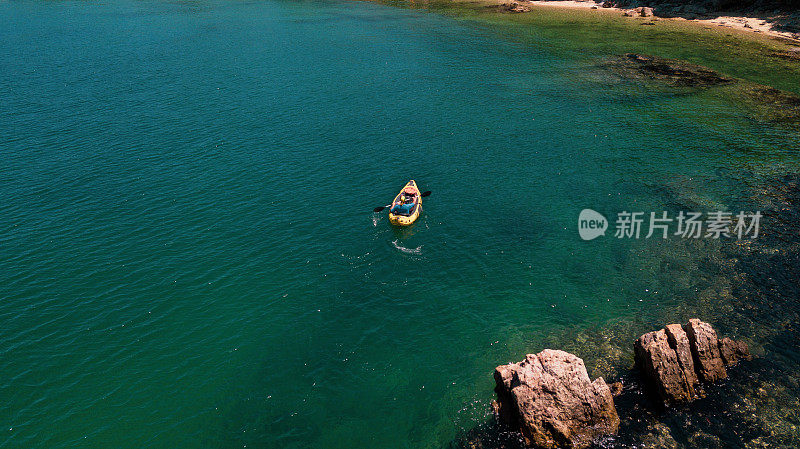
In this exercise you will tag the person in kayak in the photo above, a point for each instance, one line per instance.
(406, 203)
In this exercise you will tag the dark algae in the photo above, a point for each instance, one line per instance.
(774, 104)
(767, 103)
(672, 71)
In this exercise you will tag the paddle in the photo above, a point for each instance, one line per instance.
(378, 209)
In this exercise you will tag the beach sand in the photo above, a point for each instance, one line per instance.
(746, 24)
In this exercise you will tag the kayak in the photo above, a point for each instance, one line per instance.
(405, 213)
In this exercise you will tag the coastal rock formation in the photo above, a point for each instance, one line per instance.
(642, 11)
(675, 359)
(779, 15)
(511, 7)
(551, 399)
(660, 362)
(705, 349)
(679, 341)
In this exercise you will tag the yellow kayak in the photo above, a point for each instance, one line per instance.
(407, 205)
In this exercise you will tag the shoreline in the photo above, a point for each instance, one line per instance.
(741, 23)
(769, 59)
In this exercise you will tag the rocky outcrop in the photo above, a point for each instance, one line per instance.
(659, 361)
(705, 351)
(675, 359)
(511, 7)
(679, 341)
(551, 400)
(641, 11)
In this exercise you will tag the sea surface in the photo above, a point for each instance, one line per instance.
(188, 252)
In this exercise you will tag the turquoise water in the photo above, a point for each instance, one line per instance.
(188, 256)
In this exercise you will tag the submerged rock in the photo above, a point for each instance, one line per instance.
(675, 359)
(551, 399)
(679, 73)
(792, 54)
(616, 388)
(732, 351)
(776, 105)
(769, 103)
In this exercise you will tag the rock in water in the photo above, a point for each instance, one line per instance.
(705, 350)
(677, 357)
(512, 7)
(733, 351)
(774, 104)
(660, 362)
(550, 397)
(616, 388)
(679, 341)
(671, 71)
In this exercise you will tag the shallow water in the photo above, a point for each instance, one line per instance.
(189, 257)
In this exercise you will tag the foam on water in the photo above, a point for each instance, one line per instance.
(403, 249)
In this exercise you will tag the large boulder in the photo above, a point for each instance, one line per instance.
(705, 350)
(661, 363)
(552, 401)
(675, 359)
(679, 342)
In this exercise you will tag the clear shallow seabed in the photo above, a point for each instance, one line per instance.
(188, 256)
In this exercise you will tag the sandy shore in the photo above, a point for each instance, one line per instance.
(749, 24)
